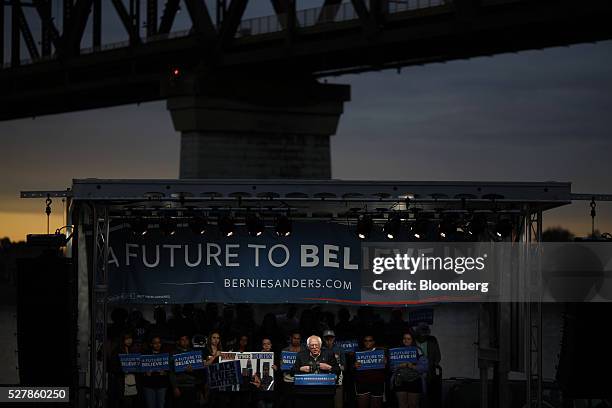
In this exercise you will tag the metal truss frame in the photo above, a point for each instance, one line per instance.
(98, 296)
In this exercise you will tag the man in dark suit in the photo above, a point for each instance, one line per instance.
(314, 360)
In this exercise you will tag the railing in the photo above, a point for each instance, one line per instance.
(269, 24)
(324, 15)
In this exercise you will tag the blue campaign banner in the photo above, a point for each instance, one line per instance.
(224, 374)
(416, 316)
(370, 360)
(130, 363)
(402, 355)
(349, 346)
(154, 362)
(319, 261)
(315, 379)
(190, 358)
(287, 360)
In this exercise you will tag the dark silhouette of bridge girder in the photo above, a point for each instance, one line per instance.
(338, 38)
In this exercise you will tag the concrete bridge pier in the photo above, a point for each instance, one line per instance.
(274, 129)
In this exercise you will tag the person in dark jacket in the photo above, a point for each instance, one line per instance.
(185, 385)
(315, 360)
(431, 349)
(155, 383)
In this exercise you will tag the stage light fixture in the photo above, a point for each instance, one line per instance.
(364, 226)
(226, 226)
(503, 228)
(447, 227)
(477, 225)
(255, 225)
(139, 227)
(283, 226)
(392, 227)
(168, 226)
(419, 228)
(198, 225)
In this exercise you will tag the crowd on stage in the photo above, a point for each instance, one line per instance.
(320, 342)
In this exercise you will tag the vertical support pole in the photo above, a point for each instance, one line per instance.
(93, 358)
(503, 365)
(2, 5)
(136, 21)
(45, 33)
(539, 313)
(484, 386)
(15, 40)
(527, 289)
(151, 18)
(100, 288)
(66, 16)
(97, 23)
(220, 10)
(291, 21)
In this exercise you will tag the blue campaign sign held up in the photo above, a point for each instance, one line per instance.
(224, 374)
(370, 360)
(154, 362)
(190, 358)
(315, 379)
(349, 346)
(130, 363)
(287, 360)
(402, 355)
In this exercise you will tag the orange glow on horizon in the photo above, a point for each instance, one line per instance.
(16, 225)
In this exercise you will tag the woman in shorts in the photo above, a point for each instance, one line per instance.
(407, 378)
(369, 384)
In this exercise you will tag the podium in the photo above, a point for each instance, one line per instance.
(314, 390)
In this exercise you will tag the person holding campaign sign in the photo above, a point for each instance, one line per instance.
(155, 379)
(370, 374)
(186, 377)
(409, 366)
(122, 369)
(213, 350)
(265, 380)
(288, 356)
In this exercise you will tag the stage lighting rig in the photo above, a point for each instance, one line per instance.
(419, 228)
(198, 225)
(168, 226)
(392, 226)
(255, 225)
(139, 226)
(364, 226)
(283, 226)
(227, 226)
(503, 228)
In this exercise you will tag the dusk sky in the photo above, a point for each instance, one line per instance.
(532, 116)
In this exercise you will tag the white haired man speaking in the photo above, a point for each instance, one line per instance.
(314, 360)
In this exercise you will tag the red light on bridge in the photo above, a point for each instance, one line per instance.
(176, 72)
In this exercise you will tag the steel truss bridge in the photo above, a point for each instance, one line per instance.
(70, 68)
